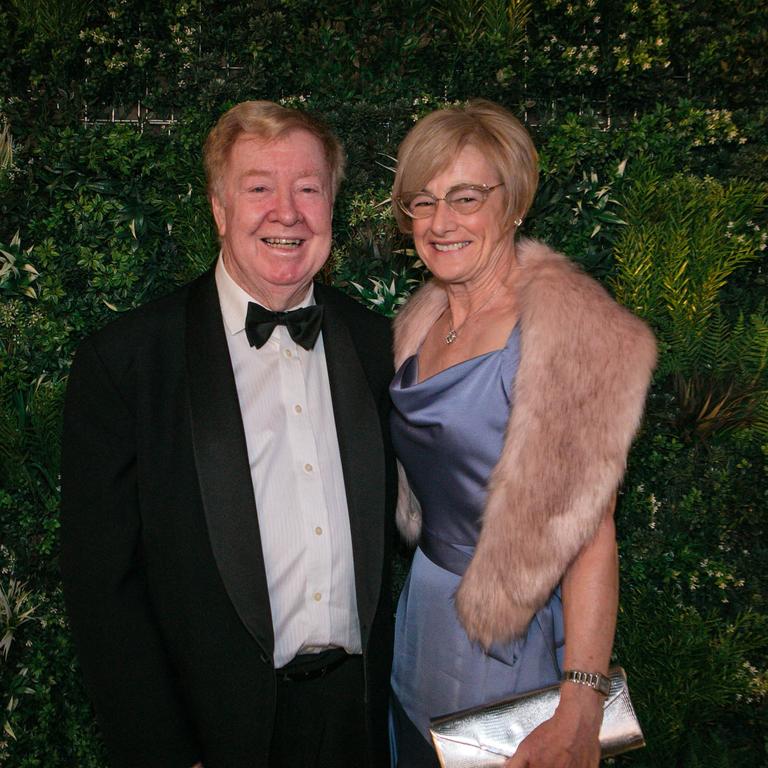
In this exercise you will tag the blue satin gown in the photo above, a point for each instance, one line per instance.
(448, 432)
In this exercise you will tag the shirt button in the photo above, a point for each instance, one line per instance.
(308, 467)
(318, 597)
(297, 408)
(319, 531)
(288, 353)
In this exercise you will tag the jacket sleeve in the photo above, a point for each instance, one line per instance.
(126, 669)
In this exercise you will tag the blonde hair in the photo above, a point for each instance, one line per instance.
(435, 141)
(267, 121)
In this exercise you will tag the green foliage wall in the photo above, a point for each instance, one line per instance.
(651, 123)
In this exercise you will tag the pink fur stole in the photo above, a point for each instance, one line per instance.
(585, 367)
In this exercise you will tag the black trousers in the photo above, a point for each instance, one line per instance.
(320, 721)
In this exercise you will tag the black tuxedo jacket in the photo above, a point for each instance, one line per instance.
(161, 554)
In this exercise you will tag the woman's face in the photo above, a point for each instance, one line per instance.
(464, 248)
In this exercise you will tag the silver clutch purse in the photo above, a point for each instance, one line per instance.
(484, 737)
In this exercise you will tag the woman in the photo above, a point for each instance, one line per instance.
(520, 385)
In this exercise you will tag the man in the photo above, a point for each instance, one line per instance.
(227, 487)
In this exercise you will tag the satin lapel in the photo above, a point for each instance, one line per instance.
(221, 457)
(362, 455)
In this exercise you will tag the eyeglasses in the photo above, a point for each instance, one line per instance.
(464, 199)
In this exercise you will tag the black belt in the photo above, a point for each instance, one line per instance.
(311, 666)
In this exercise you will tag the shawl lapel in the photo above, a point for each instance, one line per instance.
(585, 368)
(221, 457)
(362, 453)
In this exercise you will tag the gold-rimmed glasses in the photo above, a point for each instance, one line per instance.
(464, 199)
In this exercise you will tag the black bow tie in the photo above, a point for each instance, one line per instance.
(303, 324)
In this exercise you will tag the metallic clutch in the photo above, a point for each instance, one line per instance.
(484, 737)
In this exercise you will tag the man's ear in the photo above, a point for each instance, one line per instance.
(219, 214)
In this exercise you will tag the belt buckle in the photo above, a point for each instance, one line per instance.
(301, 675)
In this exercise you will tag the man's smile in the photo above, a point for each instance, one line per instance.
(282, 242)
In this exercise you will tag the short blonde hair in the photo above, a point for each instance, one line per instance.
(267, 121)
(436, 140)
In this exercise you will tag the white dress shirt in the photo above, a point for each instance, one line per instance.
(293, 451)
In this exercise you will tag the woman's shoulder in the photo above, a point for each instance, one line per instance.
(416, 318)
(556, 293)
(540, 263)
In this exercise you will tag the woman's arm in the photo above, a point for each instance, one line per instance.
(590, 592)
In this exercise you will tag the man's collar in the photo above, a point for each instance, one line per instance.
(234, 300)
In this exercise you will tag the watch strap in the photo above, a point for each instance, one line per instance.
(595, 680)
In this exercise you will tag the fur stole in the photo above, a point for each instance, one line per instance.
(585, 367)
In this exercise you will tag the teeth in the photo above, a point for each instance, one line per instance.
(451, 246)
(284, 241)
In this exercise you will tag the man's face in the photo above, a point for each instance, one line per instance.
(273, 209)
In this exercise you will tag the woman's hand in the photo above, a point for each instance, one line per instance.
(569, 739)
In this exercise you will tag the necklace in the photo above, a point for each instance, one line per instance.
(453, 333)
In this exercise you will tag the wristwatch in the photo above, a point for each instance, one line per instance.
(598, 682)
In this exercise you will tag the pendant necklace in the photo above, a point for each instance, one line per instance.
(453, 333)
